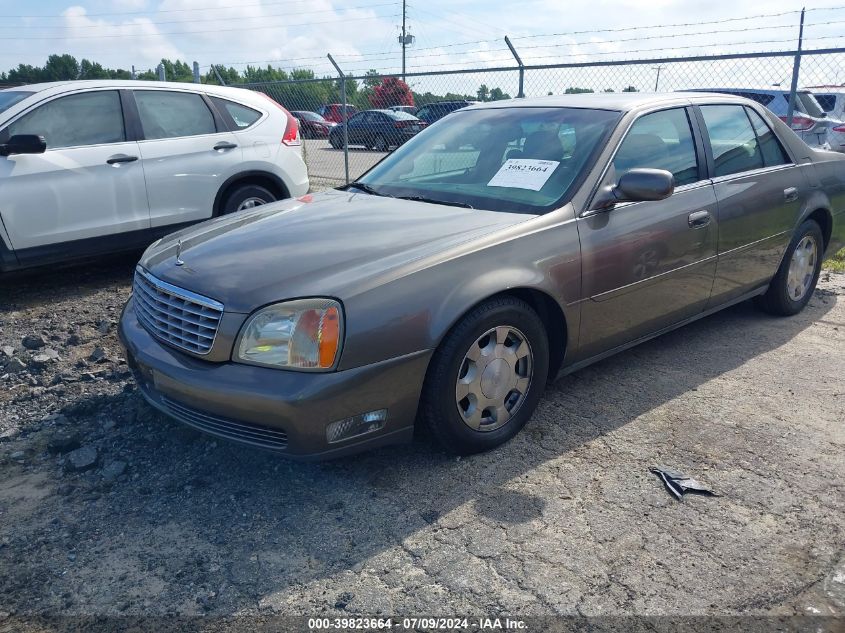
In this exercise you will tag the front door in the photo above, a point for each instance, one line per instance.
(88, 184)
(649, 265)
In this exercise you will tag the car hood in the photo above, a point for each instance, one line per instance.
(332, 244)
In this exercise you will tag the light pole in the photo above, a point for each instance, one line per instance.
(657, 80)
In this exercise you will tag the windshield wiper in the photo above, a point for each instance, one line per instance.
(365, 188)
(465, 205)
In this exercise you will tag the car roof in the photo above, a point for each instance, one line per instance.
(620, 101)
(59, 86)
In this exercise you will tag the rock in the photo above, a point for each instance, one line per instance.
(81, 459)
(8, 350)
(98, 355)
(71, 557)
(47, 356)
(63, 442)
(18, 456)
(33, 341)
(343, 600)
(81, 363)
(15, 366)
(103, 327)
(113, 470)
(73, 339)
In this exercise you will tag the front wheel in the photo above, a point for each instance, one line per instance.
(380, 144)
(486, 377)
(793, 284)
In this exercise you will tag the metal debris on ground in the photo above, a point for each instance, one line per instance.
(678, 483)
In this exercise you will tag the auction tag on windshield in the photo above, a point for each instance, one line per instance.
(524, 173)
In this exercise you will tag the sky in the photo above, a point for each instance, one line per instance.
(362, 34)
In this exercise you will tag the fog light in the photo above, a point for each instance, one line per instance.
(356, 425)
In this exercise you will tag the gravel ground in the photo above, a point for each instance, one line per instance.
(107, 508)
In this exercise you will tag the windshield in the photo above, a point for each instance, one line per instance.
(310, 116)
(516, 159)
(8, 98)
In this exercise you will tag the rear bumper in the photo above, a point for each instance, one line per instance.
(283, 411)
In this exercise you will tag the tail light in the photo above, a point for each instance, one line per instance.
(800, 123)
(401, 124)
(291, 135)
(839, 128)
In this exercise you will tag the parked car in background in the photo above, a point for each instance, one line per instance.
(89, 167)
(509, 243)
(832, 101)
(435, 111)
(808, 118)
(334, 112)
(312, 125)
(377, 129)
(404, 108)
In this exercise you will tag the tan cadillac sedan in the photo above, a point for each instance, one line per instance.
(504, 245)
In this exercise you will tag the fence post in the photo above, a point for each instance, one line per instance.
(162, 76)
(796, 67)
(196, 72)
(521, 93)
(344, 116)
(217, 74)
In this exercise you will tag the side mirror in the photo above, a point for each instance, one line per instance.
(23, 144)
(637, 185)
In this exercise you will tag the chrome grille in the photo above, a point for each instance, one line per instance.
(174, 315)
(264, 436)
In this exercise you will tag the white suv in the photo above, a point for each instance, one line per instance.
(90, 167)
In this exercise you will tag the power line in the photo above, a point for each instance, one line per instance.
(220, 19)
(246, 28)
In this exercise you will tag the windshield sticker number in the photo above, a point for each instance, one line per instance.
(524, 173)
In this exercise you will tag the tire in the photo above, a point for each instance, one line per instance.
(466, 426)
(380, 144)
(245, 197)
(335, 142)
(788, 294)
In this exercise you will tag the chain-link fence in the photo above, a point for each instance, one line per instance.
(337, 151)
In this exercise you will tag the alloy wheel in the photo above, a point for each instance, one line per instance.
(802, 268)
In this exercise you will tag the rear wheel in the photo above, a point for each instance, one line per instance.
(335, 141)
(793, 284)
(486, 377)
(380, 144)
(246, 197)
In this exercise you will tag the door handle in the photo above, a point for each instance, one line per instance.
(224, 145)
(121, 158)
(699, 219)
(790, 194)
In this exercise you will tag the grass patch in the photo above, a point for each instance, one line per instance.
(836, 262)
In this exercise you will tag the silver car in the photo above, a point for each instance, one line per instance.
(504, 245)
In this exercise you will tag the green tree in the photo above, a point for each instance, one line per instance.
(496, 94)
(61, 68)
(630, 89)
(572, 90)
(483, 93)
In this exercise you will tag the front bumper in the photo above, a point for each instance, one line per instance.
(284, 411)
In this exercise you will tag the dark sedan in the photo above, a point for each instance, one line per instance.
(377, 129)
(507, 244)
(312, 125)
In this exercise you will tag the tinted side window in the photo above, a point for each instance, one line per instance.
(172, 114)
(770, 146)
(660, 140)
(827, 102)
(242, 116)
(732, 138)
(90, 118)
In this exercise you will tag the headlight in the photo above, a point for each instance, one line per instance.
(302, 334)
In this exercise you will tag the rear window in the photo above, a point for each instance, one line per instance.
(241, 115)
(401, 115)
(8, 98)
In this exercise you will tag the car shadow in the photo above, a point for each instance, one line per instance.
(258, 525)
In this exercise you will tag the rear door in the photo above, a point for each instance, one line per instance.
(649, 265)
(187, 153)
(88, 184)
(759, 191)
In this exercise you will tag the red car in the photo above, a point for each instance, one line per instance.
(312, 124)
(333, 112)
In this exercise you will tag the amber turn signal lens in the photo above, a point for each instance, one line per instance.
(329, 337)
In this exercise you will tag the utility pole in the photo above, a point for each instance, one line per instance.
(404, 4)
(657, 81)
(796, 68)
